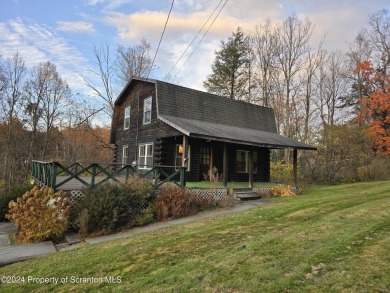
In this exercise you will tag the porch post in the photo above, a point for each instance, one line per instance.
(184, 158)
(225, 164)
(251, 169)
(211, 162)
(295, 167)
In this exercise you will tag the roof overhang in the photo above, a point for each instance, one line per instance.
(232, 134)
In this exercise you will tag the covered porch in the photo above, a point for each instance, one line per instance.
(218, 160)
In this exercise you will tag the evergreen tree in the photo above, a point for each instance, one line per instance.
(231, 74)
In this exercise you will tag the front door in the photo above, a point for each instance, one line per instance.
(204, 162)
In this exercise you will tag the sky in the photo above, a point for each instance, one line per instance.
(64, 32)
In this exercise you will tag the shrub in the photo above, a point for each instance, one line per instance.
(12, 194)
(40, 214)
(110, 207)
(173, 202)
(282, 190)
(281, 172)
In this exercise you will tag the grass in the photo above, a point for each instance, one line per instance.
(332, 239)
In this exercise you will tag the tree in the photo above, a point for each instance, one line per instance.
(230, 69)
(293, 40)
(11, 87)
(105, 73)
(265, 44)
(332, 86)
(314, 61)
(375, 109)
(46, 96)
(379, 34)
(359, 51)
(133, 61)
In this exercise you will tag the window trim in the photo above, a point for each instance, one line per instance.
(144, 167)
(127, 118)
(125, 147)
(255, 167)
(188, 157)
(151, 108)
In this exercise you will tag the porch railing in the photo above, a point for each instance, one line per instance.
(55, 175)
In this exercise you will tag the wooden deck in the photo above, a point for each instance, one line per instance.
(78, 176)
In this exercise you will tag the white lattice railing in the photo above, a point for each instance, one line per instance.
(210, 193)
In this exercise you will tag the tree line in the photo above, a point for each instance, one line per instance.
(41, 119)
(337, 101)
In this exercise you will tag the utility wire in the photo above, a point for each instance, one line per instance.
(165, 26)
(201, 39)
(194, 38)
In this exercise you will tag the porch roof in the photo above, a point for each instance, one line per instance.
(229, 133)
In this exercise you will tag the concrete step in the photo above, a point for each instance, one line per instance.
(245, 193)
(242, 189)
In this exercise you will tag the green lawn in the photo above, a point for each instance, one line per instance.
(331, 239)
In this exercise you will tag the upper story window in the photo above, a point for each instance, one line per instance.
(126, 122)
(148, 110)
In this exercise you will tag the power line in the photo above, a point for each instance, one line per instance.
(194, 37)
(201, 39)
(165, 26)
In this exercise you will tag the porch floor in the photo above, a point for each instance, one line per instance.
(75, 184)
(206, 184)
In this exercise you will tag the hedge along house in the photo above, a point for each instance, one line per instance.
(158, 123)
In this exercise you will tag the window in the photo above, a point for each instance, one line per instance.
(147, 110)
(145, 156)
(242, 162)
(179, 156)
(125, 151)
(126, 123)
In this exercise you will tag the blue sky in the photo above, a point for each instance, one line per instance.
(65, 31)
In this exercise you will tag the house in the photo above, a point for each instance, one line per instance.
(158, 123)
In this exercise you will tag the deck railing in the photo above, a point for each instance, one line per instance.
(54, 174)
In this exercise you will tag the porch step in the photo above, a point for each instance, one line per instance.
(245, 193)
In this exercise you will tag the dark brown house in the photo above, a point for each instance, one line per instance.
(158, 123)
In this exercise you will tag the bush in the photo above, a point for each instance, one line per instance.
(110, 207)
(282, 190)
(40, 214)
(173, 202)
(12, 194)
(281, 172)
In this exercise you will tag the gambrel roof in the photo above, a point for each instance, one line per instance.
(204, 115)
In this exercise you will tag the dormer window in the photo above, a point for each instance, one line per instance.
(148, 110)
(126, 123)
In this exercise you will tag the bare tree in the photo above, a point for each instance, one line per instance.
(133, 61)
(105, 74)
(335, 86)
(46, 96)
(265, 43)
(54, 102)
(314, 62)
(11, 86)
(294, 36)
(379, 34)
